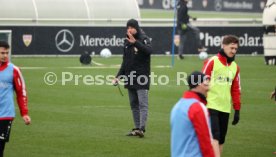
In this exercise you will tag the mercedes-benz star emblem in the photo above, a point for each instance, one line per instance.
(218, 5)
(65, 40)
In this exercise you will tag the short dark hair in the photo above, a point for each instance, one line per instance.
(4, 44)
(196, 78)
(229, 39)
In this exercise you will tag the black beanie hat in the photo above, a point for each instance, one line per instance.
(133, 23)
(196, 78)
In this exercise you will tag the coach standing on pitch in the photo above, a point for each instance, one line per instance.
(224, 89)
(11, 80)
(135, 69)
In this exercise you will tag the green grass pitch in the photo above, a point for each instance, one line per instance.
(158, 13)
(91, 121)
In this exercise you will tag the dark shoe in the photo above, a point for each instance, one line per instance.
(181, 57)
(140, 133)
(133, 132)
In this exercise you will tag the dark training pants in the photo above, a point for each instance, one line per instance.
(195, 33)
(2, 147)
(219, 124)
(5, 129)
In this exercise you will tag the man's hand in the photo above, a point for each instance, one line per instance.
(115, 82)
(236, 117)
(131, 38)
(27, 119)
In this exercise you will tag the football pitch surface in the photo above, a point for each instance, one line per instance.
(92, 120)
(156, 13)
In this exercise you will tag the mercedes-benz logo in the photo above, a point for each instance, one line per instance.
(65, 40)
(218, 5)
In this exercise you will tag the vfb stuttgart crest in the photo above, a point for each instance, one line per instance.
(27, 39)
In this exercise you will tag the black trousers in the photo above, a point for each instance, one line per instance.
(2, 147)
(219, 124)
(5, 129)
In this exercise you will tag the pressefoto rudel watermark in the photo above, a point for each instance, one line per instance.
(66, 78)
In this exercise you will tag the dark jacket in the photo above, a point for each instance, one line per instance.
(136, 59)
(182, 15)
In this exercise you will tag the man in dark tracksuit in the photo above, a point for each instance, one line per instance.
(183, 26)
(135, 71)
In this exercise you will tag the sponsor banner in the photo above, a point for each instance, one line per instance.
(209, 5)
(42, 40)
(250, 38)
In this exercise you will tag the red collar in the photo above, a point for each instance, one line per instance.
(223, 60)
(191, 94)
(3, 65)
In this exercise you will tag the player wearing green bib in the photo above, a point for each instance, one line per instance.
(224, 89)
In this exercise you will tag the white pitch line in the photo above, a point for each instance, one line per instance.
(89, 67)
(91, 106)
(33, 68)
(112, 67)
(162, 66)
(99, 67)
(97, 63)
